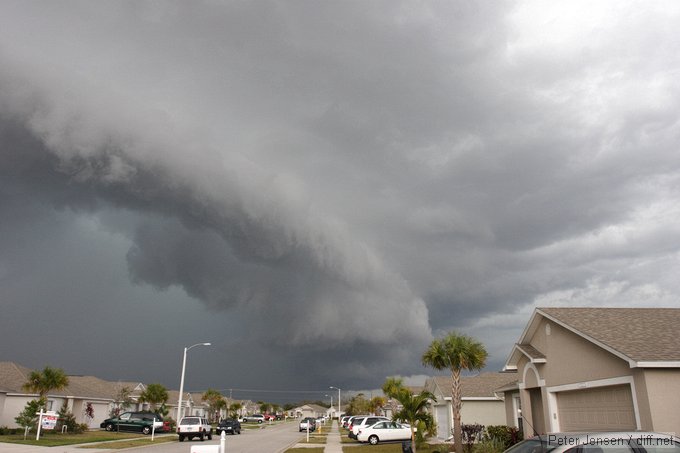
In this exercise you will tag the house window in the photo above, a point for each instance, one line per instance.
(50, 405)
(518, 411)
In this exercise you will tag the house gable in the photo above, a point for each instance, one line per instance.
(597, 369)
(622, 332)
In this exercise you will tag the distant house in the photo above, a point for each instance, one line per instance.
(585, 369)
(310, 410)
(481, 404)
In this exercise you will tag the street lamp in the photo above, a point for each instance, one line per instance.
(181, 385)
(336, 388)
(331, 403)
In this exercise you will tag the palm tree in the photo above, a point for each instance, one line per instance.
(390, 387)
(215, 401)
(155, 395)
(456, 353)
(414, 410)
(43, 382)
(376, 404)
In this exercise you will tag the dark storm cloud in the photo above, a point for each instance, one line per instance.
(345, 178)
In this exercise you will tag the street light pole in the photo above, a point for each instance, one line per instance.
(181, 384)
(336, 388)
(331, 396)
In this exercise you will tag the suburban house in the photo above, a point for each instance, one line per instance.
(309, 410)
(481, 404)
(103, 397)
(587, 369)
(81, 393)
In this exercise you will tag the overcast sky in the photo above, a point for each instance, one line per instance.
(321, 188)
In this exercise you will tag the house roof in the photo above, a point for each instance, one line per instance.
(312, 407)
(481, 386)
(13, 376)
(644, 337)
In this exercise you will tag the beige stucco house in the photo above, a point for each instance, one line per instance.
(586, 369)
(481, 404)
(309, 410)
(81, 392)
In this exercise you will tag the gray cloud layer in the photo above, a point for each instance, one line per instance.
(335, 179)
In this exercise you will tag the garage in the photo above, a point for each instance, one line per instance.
(607, 408)
(443, 421)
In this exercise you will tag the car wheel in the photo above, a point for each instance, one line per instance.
(238, 432)
(373, 440)
(146, 430)
(259, 421)
(110, 427)
(181, 438)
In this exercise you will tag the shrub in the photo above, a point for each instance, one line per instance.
(67, 419)
(506, 435)
(5, 431)
(471, 435)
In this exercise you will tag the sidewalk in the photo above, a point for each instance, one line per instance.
(333, 444)
(18, 448)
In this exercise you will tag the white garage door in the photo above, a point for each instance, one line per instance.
(597, 409)
(442, 420)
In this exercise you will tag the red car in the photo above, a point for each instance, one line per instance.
(269, 417)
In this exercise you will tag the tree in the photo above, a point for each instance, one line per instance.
(389, 388)
(43, 382)
(28, 417)
(376, 404)
(155, 395)
(123, 400)
(456, 353)
(413, 406)
(357, 405)
(215, 402)
(234, 409)
(67, 419)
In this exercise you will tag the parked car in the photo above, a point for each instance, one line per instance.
(259, 418)
(367, 421)
(229, 426)
(598, 442)
(307, 423)
(269, 417)
(352, 420)
(142, 421)
(364, 422)
(190, 427)
(343, 420)
(384, 431)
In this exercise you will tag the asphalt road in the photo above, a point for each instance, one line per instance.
(274, 438)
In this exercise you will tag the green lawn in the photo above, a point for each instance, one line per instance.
(56, 439)
(305, 450)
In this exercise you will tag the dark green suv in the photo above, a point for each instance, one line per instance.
(134, 421)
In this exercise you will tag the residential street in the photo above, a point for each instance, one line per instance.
(272, 438)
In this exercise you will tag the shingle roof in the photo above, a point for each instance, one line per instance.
(642, 334)
(482, 385)
(534, 354)
(13, 376)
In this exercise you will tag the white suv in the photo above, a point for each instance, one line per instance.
(191, 427)
(369, 420)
